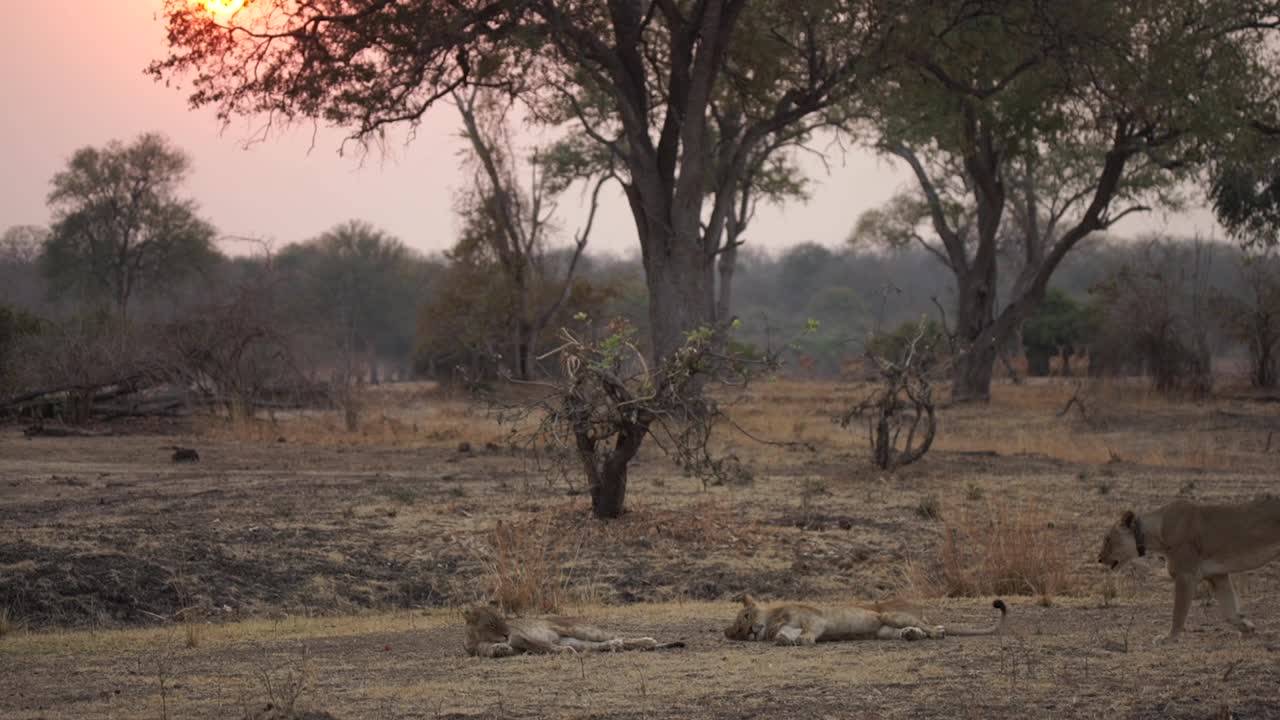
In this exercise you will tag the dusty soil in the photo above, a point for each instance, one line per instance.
(132, 586)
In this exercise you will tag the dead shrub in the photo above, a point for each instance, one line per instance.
(283, 686)
(929, 508)
(530, 565)
(1002, 551)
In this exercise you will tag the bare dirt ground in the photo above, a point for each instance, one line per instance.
(131, 586)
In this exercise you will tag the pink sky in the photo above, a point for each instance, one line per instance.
(73, 77)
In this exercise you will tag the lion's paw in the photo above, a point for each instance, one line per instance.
(912, 633)
(615, 644)
(1246, 627)
(1168, 639)
(503, 649)
(788, 636)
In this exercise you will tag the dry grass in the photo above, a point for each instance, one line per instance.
(1019, 420)
(540, 564)
(530, 565)
(365, 507)
(999, 551)
(6, 624)
(192, 633)
(416, 414)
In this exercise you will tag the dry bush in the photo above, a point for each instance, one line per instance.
(283, 687)
(529, 566)
(1002, 551)
(542, 563)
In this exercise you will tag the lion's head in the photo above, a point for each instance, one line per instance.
(1121, 543)
(486, 624)
(750, 622)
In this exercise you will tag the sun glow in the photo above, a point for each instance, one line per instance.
(222, 7)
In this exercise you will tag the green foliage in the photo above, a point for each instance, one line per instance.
(1060, 325)
(1246, 198)
(119, 228)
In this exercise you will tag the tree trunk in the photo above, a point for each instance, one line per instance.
(681, 293)
(523, 350)
(607, 476)
(971, 375)
(373, 366)
(728, 263)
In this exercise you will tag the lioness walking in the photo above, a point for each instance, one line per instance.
(1200, 541)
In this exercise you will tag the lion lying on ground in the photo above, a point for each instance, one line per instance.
(489, 634)
(796, 624)
(1200, 541)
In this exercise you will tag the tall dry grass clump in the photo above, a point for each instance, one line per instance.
(1003, 551)
(530, 566)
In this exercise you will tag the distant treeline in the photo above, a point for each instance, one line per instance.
(356, 303)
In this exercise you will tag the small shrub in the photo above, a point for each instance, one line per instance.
(974, 492)
(402, 495)
(283, 687)
(528, 565)
(1103, 487)
(929, 508)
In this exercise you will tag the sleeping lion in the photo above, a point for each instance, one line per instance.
(797, 624)
(1200, 541)
(491, 635)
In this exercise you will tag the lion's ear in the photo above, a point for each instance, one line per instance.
(1127, 519)
(747, 600)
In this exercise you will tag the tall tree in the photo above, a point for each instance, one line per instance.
(119, 226)
(1117, 103)
(361, 284)
(511, 223)
(21, 244)
(639, 77)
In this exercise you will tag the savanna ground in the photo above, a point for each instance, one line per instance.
(323, 572)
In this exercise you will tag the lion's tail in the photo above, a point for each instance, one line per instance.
(989, 630)
(669, 646)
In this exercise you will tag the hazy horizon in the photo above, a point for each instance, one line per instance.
(77, 80)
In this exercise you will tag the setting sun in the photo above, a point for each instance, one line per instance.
(222, 7)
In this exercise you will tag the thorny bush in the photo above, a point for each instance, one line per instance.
(606, 398)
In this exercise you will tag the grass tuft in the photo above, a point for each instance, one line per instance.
(998, 552)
